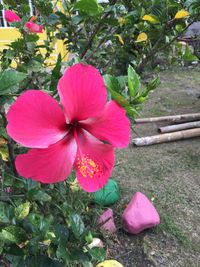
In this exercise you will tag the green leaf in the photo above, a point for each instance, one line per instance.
(131, 111)
(56, 73)
(90, 7)
(5, 212)
(34, 66)
(188, 56)
(13, 234)
(153, 84)
(112, 83)
(1, 246)
(32, 38)
(53, 19)
(34, 221)
(9, 81)
(133, 81)
(22, 210)
(98, 254)
(77, 225)
(36, 194)
(77, 255)
(122, 81)
(62, 233)
(62, 252)
(108, 79)
(40, 261)
(139, 100)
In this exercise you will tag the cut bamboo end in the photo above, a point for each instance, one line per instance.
(179, 127)
(166, 137)
(173, 118)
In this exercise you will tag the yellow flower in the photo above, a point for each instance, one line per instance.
(2, 141)
(142, 37)
(181, 14)
(3, 150)
(110, 263)
(150, 18)
(121, 21)
(119, 38)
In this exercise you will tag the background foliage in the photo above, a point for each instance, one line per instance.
(52, 225)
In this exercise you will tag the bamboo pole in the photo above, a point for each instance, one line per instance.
(166, 137)
(173, 118)
(179, 127)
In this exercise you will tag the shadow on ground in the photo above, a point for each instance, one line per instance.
(169, 173)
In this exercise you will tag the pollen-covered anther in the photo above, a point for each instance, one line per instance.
(88, 167)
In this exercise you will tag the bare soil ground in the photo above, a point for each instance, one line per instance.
(169, 173)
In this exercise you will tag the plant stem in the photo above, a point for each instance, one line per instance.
(101, 42)
(96, 30)
(9, 144)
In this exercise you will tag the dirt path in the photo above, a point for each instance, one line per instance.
(170, 173)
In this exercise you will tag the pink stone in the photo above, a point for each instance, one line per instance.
(140, 214)
(106, 221)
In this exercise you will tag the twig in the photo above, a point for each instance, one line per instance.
(10, 196)
(101, 42)
(97, 28)
(9, 144)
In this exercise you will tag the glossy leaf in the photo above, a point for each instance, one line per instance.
(98, 254)
(90, 7)
(133, 81)
(77, 225)
(9, 81)
(112, 83)
(5, 212)
(36, 194)
(13, 234)
(22, 210)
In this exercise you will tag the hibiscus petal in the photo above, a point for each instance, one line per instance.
(82, 92)
(49, 165)
(94, 162)
(112, 126)
(33, 27)
(36, 120)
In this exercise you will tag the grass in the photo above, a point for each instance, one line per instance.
(169, 173)
(191, 160)
(168, 225)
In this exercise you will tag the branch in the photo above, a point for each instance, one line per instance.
(101, 42)
(156, 47)
(178, 35)
(9, 144)
(97, 28)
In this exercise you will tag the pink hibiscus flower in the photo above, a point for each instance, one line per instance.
(10, 17)
(72, 135)
(33, 27)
